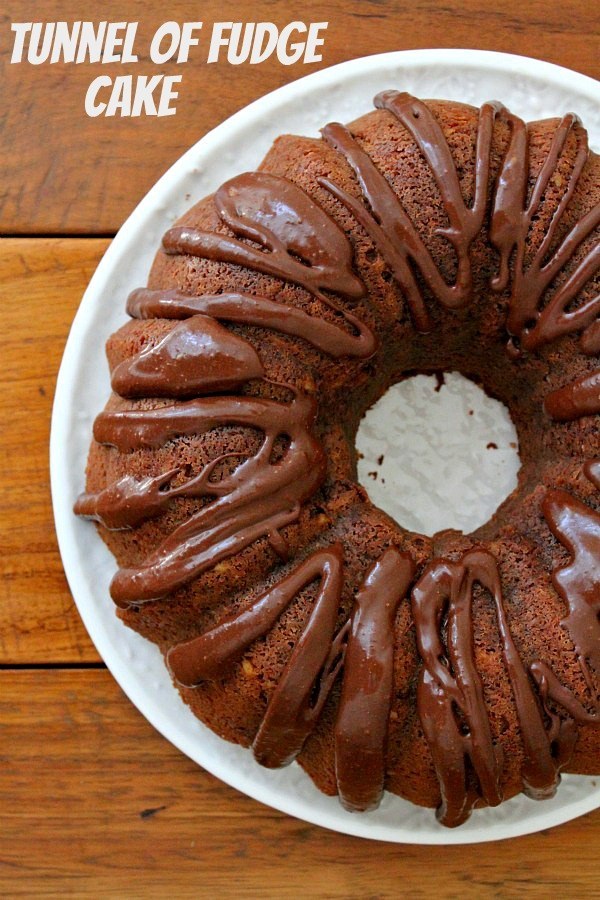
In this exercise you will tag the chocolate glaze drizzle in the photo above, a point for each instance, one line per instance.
(591, 470)
(258, 498)
(450, 688)
(130, 501)
(590, 339)
(579, 398)
(451, 699)
(197, 357)
(512, 218)
(250, 310)
(363, 714)
(280, 231)
(318, 657)
(577, 527)
(388, 224)
(310, 672)
(302, 244)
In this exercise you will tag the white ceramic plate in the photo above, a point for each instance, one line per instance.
(530, 88)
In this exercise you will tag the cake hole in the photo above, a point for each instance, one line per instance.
(438, 458)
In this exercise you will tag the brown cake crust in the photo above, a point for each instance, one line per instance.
(471, 340)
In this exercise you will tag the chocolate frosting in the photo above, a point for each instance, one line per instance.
(250, 310)
(512, 217)
(577, 527)
(361, 726)
(363, 714)
(127, 502)
(579, 398)
(197, 357)
(591, 470)
(310, 672)
(301, 242)
(590, 339)
(451, 701)
(259, 497)
(450, 696)
(387, 222)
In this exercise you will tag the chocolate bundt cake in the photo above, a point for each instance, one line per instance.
(295, 616)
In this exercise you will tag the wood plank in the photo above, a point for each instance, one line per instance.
(85, 769)
(43, 283)
(67, 173)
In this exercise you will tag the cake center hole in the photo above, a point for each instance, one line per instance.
(438, 453)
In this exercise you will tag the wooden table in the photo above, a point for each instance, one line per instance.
(94, 801)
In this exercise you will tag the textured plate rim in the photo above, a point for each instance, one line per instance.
(453, 59)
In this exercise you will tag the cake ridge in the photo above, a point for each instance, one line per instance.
(388, 217)
(450, 693)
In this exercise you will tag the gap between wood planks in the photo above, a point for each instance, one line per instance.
(25, 667)
(58, 235)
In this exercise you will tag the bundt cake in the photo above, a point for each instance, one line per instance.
(295, 617)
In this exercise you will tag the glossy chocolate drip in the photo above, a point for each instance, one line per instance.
(590, 339)
(450, 697)
(197, 357)
(362, 721)
(550, 688)
(545, 750)
(130, 501)
(200, 355)
(449, 682)
(308, 677)
(512, 218)
(510, 197)
(591, 470)
(127, 502)
(577, 527)
(310, 672)
(250, 310)
(259, 497)
(301, 242)
(579, 398)
(387, 222)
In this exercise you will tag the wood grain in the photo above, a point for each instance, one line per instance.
(44, 280)
(96, 803)
(67, 173)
